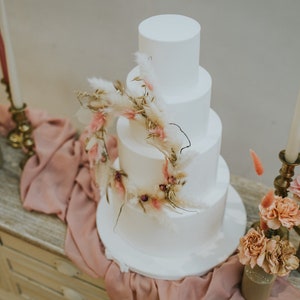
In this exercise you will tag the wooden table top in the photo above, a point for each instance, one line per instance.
(34, 227)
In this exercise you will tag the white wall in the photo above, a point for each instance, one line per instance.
(251, 48)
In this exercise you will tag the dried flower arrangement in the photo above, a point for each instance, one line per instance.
(112, 100)
(265, 246)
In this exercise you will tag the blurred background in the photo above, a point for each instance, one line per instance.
(251, 49)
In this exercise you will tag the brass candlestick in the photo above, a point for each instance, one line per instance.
(21, 135)
(282, 181)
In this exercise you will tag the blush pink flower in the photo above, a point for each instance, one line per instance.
(112, 147)
(148, 85)
(169, 179)
(118, 183)
(159, 132)
(166, 170)
(156, 203)
(98, 121)
(93, 153)
(129, 114)
(295, 187)
(288, 212)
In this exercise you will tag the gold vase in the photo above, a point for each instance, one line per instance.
(256, 283)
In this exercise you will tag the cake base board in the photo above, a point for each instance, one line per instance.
(173, 268)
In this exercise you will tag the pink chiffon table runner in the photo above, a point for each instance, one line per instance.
(58, 180)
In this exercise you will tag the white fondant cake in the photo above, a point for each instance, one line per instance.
(172, 206)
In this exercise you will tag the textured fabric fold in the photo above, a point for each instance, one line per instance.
(129, 285)
(58, 180)
(45, 186)
(82, 230)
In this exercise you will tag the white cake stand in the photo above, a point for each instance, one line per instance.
(174, 268)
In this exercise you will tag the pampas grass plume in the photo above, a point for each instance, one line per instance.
(259, 169)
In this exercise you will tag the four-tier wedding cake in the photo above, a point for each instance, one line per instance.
(167, 207)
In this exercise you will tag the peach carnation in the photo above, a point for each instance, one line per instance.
(252, 248)
(280, 257)
(276, 211)
(288, 212)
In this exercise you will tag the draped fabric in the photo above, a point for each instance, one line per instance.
(58, 180)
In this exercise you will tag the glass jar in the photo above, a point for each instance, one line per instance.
(256, 283)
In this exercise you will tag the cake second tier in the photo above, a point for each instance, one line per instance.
(187, 107)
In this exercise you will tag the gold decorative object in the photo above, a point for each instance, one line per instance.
(21, 135)
(256, 283)
(282, 181)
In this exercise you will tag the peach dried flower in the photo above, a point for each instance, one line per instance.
(280, 257)
(288, 212)
(252, 248)
(276, 211)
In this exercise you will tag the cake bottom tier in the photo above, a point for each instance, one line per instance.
(171, 232)
(199, 260)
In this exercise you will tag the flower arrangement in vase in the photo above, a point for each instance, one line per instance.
(265, 249)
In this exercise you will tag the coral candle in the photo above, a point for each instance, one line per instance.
(293, 145)
(12, 74)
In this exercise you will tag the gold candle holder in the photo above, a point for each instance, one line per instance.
(21, 135)
(282, 181)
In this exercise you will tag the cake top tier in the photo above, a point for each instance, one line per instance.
(169, 28)
(173, 44)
